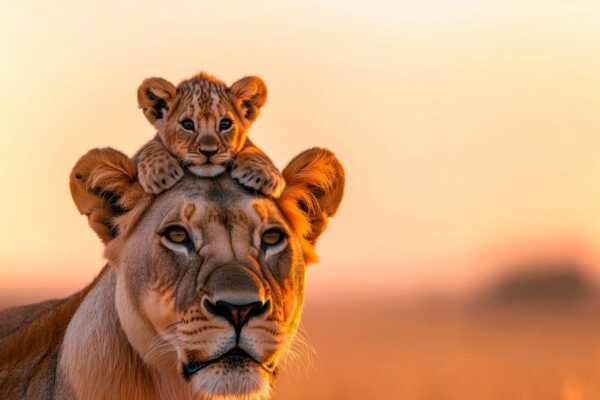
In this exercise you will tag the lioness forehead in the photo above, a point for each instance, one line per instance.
(220, 198)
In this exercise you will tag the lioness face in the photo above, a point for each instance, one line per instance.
(219, 275)
(210, 278)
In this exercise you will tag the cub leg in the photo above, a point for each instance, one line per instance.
(157, 169)
(253, 169)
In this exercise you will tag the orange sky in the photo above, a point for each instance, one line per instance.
(465, 126)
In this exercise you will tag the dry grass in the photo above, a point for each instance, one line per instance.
(444, 351)
(448, 352)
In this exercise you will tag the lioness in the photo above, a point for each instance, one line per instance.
(201, 295)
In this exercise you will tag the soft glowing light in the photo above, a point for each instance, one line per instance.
(461, 124)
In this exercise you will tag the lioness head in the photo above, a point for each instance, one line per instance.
(202, 121)
(210, 278)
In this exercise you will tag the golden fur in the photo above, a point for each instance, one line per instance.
(137, 329)
(205, 149)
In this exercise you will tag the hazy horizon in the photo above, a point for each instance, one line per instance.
(468, 130)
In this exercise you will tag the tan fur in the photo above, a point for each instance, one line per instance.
(315, 184)
(29, 354)
(204, 100)
(130, 332)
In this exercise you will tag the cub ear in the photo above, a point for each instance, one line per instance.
(155, 97)
(251, 94)
(104, 186)
(314, 189)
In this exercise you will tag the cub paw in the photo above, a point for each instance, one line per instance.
(263, 178)
(159, 175)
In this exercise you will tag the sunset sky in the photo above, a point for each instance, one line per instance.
(469, 130)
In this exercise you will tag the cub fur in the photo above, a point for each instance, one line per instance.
(202, 125)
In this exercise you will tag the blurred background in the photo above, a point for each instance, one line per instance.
(464, 262)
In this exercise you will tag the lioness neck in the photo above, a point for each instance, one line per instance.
(98, 362)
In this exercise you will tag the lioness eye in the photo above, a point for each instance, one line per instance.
(225, 124)
(272, 237)
(176, 234)
(187, 124)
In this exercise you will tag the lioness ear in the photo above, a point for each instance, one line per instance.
(103, 186)
(155, 96)
(251, 94)
(314, 189)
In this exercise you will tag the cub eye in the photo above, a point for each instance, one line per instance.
(272, 238)
(176, 234)
(225, 124)
(187, 124)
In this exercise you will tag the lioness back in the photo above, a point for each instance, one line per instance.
(30, 341)
(15, 318)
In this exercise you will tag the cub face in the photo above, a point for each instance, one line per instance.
(202, 121)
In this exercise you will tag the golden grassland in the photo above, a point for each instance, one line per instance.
(445, 351)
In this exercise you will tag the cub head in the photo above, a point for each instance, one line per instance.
(202, 121)
(209, 278)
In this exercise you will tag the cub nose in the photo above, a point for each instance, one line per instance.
(237, 314)
(209, 153)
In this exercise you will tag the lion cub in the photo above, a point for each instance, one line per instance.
(201, 125)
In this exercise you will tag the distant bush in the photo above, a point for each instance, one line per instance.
(556, 282)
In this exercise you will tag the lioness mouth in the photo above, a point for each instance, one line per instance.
(235, 355)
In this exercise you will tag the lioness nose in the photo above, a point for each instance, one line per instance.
(237, 314)
(208, 153)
